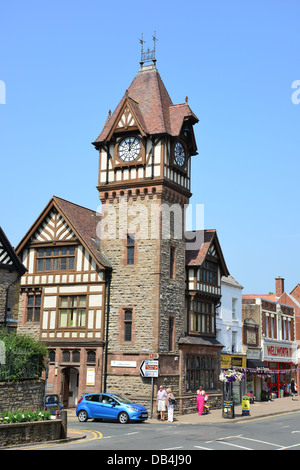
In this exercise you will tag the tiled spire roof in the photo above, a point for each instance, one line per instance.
(152, 105)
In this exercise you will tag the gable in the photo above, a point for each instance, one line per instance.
(5, 258)
(8, 257)
(126, 119)
(53, 228)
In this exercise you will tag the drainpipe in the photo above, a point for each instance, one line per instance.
(109, 272)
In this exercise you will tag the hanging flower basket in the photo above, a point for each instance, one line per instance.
(231, 376)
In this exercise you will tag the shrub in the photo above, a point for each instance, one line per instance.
(24, 357)
(17, 416)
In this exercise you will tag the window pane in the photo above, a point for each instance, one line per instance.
(56, 251)
(63, 264)
(29, 314)
(71, 263)
(40, 265)
(127, 331)
(48, 251)
(64, 251)
(72, 318)
(72, 250)
(37, 314)
(82, 301)
(64, 301)
(81, 318)
(38, 301)
(63, 318)
(55, 264)
(48, 265)
(130, 255)
(30, 300)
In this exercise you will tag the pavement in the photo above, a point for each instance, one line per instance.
(258, 410)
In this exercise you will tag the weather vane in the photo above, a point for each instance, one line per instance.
(148, 55)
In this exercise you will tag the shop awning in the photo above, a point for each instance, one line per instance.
(256, 364)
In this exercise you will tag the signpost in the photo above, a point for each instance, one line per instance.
(150, 369)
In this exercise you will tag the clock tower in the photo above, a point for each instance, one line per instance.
(145, 150)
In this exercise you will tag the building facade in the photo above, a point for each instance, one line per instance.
(63, 296)
(11, 270)
(269, 332)
(118, 288)
(229, 330)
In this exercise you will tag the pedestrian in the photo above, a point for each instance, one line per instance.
(200, 401)
(170, 404)
(293, 389)
(161, 402)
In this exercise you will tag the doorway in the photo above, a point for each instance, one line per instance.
(70, 382)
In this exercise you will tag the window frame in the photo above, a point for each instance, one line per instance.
(34, 307)
(71, 310)
(55, 259)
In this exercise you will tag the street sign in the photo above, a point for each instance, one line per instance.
(149, 368)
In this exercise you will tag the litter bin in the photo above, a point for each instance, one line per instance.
(245, 407)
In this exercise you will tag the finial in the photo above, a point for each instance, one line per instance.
(148, 55)
(186, 99)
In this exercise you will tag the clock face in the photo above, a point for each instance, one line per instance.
(179, 154)
(129, 149)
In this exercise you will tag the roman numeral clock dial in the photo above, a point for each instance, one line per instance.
(129, 149)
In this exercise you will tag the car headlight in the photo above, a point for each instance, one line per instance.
(131, 408)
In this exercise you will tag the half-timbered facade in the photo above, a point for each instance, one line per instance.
(128, 281)
(205, 267)
(63, 295)
(11, 270)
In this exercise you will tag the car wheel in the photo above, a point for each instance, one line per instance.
(123, 417)
(82, 416)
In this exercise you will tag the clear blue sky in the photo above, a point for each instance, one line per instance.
(66, 63)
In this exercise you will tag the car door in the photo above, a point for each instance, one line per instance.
(94, 405)
(109, 407)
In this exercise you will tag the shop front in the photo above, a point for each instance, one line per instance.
(235, 361)
(281, 359)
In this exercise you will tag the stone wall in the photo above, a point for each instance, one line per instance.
(22, 395)
(28, 433)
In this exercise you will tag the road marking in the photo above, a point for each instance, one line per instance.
(290, 447)
(173, 448)
(261, 442)
(203, 448)
(234, 445)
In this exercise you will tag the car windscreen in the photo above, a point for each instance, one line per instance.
(51, 399)
(122, 399)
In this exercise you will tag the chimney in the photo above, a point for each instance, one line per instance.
(279, 286)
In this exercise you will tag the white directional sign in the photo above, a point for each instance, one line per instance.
(149, 368)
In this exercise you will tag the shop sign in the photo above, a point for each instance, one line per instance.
(280, 351)
(229, 361)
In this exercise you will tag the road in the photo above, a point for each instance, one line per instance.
(274, 433)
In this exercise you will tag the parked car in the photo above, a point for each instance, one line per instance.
(53, 403)
(110, 406)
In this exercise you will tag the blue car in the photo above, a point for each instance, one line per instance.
(53, 403)
(109, 406)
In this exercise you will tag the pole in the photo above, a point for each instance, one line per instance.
(107, 326)
(151, 397)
